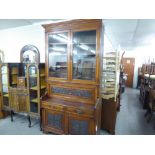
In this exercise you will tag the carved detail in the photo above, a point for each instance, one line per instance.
(74, 92)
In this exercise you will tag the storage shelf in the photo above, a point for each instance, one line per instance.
(35, 100)
(14, 83)
(42, 75)
(36, 88)
(6, 95)
(43, 86)
(34, 75)
(14, 73)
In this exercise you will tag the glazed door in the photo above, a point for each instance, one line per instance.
(58, 48)
(128, 64)
(84, 55)
(34, 89)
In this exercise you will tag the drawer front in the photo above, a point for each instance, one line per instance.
(80, 125)
(51, 106)
(80, 111)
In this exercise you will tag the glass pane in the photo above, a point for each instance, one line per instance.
(5, 86)
(84, 55)
(33, 76)
(32, 70)
(58, 55)
(4, 79)
(58, 38)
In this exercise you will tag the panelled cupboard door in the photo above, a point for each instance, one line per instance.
(80, 125)
(54, 121)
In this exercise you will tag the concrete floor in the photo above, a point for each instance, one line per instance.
(130, 120)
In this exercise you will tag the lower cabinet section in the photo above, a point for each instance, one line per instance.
(79, 125)
(69, 120)
(53, 121)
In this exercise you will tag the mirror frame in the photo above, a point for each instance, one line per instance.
(29, 48)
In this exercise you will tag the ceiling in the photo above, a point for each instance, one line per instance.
(130, 34)
(13, 23)
(126, 33)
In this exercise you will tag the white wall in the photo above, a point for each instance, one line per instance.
(141, 55)
(107, 45)
(12, 41)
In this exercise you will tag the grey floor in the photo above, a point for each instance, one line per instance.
(130, 120)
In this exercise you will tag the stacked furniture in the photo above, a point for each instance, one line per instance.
(110, 90)
(151, 92)
(73, 65)
(144, 86)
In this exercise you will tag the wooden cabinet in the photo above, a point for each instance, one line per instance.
(73, 65)
(66, 117)
(22, 85)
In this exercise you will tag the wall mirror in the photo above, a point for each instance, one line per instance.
(29, 54)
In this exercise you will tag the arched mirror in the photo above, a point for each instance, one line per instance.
(1, 56)
(29, 54)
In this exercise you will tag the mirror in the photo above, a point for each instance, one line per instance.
(29, 54)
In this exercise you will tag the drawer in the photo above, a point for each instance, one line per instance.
(52, 106)
(80, 111)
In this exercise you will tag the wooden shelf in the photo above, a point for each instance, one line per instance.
(6, 95)
(14, 83)
(34, 75)
(35, 100)
(42, 75)
(43, 86)
(34, 88)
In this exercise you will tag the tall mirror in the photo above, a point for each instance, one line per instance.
(30, 54)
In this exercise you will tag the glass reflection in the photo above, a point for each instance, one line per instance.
(84, 55)
(30, 57)
(58, 55)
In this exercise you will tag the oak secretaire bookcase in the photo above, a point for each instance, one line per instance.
(73, 64)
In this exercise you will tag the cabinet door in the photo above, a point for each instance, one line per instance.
(84, 55)
(80, 125)
(34, 89)
(22, 102)
(58, 55)
(54, 121)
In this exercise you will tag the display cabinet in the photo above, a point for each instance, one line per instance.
(23, 84)
(36, 87)
(73, 64)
